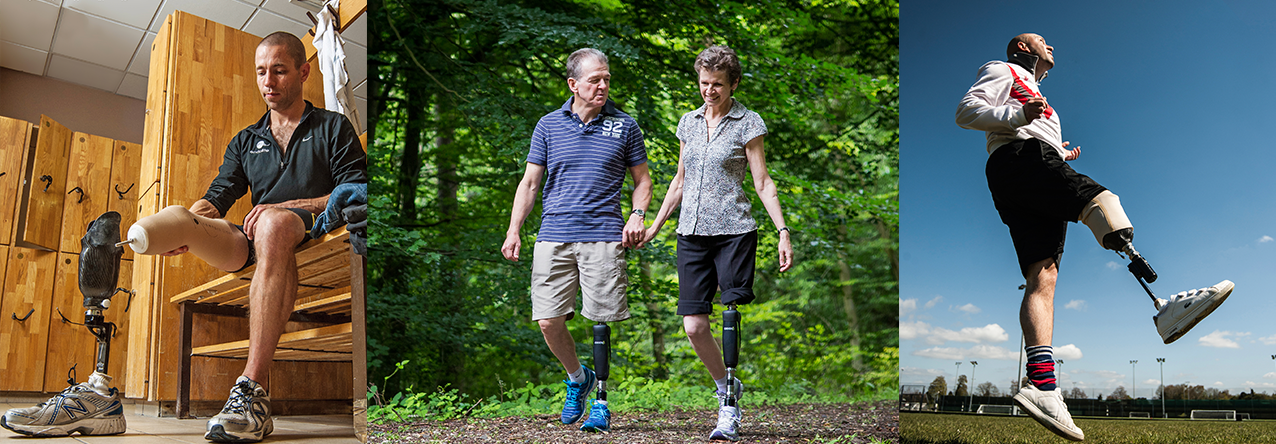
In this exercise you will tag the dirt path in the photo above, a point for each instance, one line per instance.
(863, 422)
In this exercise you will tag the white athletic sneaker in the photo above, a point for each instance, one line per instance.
(1184, 310)
(87, 408)
(246, 416)
(1048, 408)
(728, 428)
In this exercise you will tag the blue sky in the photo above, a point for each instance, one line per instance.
(1169, 103)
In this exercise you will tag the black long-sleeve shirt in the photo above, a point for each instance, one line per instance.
(324, 152)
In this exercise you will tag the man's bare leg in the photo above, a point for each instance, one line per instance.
(560, 342)
(273, 290)
(699, 332)
(1036, 314)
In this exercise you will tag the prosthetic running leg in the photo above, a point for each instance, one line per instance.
(599, 416)
(175, 226)
(1112, 229)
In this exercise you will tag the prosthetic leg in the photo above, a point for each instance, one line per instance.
(602, 350)
(99, 274)
(1112, 229)
(175, 226)
(731, 350)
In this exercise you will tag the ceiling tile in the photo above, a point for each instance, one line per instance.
(362, 106)
(289, 10)
(227, 12)
(358, 31)
(84, 73)
(141, 64)
(96, 40)
(133, 86)
(265, 22)
(28, 23)
(361, 90)
(356, 63)
(21, 58)
(135, 13)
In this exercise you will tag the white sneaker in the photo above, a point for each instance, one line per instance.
(1047, 408)
(88, 408)
(1184, 310)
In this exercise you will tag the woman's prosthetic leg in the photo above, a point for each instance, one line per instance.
(731, 350)
(1111, 227)
(602, 349)
(175, 226)
(99, 275)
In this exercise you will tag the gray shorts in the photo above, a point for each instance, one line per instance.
(596, 268)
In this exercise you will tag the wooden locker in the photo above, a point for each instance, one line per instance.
(40, 204)
(124, 187)
(28, 295)
(88, 178)
(14, 137)
(71, 344)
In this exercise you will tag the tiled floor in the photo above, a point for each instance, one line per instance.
(149, 429)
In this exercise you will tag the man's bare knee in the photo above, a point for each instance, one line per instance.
(1042, 274)
(276, 228)
(552, 325)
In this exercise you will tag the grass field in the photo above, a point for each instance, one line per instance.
(989, 429)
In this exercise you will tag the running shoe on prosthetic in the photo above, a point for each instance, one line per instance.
(90, 408)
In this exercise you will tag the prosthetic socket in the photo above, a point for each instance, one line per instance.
(602, 349)
(1112, 229)
(731, 349)
(176, 226)
(99, 275)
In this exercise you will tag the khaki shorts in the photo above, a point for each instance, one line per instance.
(596, 268)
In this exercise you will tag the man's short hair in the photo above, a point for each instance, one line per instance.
(577, 58)
(720, 58)
(1013, 47)
(292, 46)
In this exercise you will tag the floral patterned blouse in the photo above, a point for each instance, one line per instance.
(714, 168)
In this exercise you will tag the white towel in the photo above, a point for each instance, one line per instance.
(338, 94)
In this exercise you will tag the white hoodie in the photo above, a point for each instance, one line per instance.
(994, 104)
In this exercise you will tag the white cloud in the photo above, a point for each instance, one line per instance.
(907, 306)
(1067, 352)
(1270, 375)
(1265, 239)
(912, 330)
(1152, 382)
(1112, 265)
(975, 352)
(1218, 383)
(1269, 340)
(1219, 339)
(939, 335)
(931, 303)
(1076, 304)
(969, 309)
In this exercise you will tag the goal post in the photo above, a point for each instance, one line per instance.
(1226, 415)
(1141, 415)
(997, 409)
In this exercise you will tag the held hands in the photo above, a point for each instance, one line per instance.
(635, 234)
(1073, 154)
(1034, 108)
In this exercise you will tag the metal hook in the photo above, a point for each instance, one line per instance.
(80, 190)
(117, 189)
(46, 178)
(16, 318)
(130, 297)
(65, 320)
(2, 174)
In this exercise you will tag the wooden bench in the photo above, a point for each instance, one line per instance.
(330, 291)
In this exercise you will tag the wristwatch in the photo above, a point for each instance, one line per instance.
(785, 229)
(640, 213)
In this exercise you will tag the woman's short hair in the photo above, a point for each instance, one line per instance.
(577, 58)
(720, 58)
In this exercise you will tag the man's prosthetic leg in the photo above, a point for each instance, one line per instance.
(175, 226)
(99, 275)
(602, 350)
(1111, 227)
(731, 350)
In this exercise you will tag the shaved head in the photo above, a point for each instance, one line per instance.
(1026, 38)
(291, 44)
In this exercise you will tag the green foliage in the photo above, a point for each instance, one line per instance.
(457, 88)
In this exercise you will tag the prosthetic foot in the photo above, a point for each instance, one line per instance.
(1112, 229)
(93, 407)
(599, 416)
(728, 407)
(175, 226)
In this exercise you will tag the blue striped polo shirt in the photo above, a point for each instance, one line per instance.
(585, 165)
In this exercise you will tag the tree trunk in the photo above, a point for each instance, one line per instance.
(848, 305)
(655, 320)
(410, 166)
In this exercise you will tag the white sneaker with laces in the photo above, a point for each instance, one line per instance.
(1183, 310)
(1048, 408)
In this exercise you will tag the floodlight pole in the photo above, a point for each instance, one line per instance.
(956, 380)
(1162, 361)
(1134, 383)
(1014, 388)
(971, 405)
(1059, 377)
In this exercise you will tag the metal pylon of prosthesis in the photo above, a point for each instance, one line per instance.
(1141, 269)
(731, 349)
(98, 275)
(602, 349)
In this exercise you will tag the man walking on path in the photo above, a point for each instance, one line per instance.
(1036, 194)
(583, 149)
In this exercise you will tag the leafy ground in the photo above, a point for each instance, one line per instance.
(862, 422)
(980, 429)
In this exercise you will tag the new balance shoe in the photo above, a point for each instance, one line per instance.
(599, 418)
(577, 393)
(1047, 408)
(88, 408)
(246, 416)
(728, 428)
(1183, 310)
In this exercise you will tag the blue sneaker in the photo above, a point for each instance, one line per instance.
(599, 418)
(577, 393)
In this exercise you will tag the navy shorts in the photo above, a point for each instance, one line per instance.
(1037, 194)
(307, 218)
(707, 263)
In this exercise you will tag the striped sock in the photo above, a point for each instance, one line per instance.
(1041, 366)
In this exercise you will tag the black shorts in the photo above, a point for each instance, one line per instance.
(307, 218)
(1037, 194)
(706, 263)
